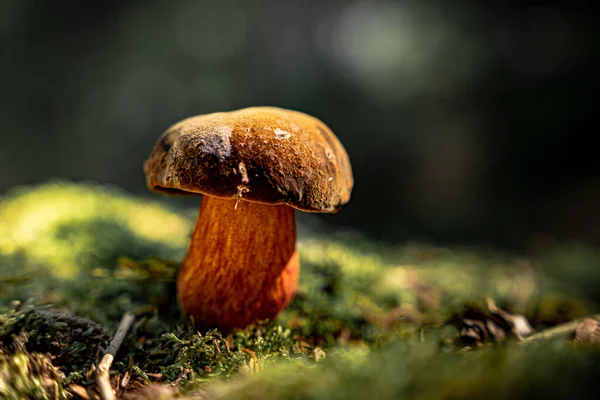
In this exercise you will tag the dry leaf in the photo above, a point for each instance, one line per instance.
(477, 327)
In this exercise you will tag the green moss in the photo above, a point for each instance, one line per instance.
(367, 318)
(25, 375)
(69, 245)
(414, 370)
(71, 340)
(67, 229)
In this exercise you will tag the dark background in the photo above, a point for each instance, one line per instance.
(464, 123)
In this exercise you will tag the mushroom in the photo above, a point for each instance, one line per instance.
(254, 167)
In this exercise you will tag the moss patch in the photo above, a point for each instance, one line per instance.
(368, 320)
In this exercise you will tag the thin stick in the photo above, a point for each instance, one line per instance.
(558, 330)
(102, 373)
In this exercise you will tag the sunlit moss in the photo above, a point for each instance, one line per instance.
(367, 319)
(413, 370)
(57, 224)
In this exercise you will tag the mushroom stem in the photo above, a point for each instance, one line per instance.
(242, 265)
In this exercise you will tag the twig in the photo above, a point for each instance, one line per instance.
(102, 373)
(558, 330)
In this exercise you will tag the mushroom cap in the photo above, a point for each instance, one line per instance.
(261, 154)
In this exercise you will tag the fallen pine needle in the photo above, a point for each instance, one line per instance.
(102, 372)
(558, 330)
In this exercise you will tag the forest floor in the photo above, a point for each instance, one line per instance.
(369, 321)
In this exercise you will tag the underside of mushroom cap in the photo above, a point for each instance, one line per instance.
(260, 154)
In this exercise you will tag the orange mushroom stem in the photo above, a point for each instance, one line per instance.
(242, 265)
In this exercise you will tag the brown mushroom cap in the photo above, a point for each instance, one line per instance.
(261, 154)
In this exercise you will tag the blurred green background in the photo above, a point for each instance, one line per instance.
(464, 123)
